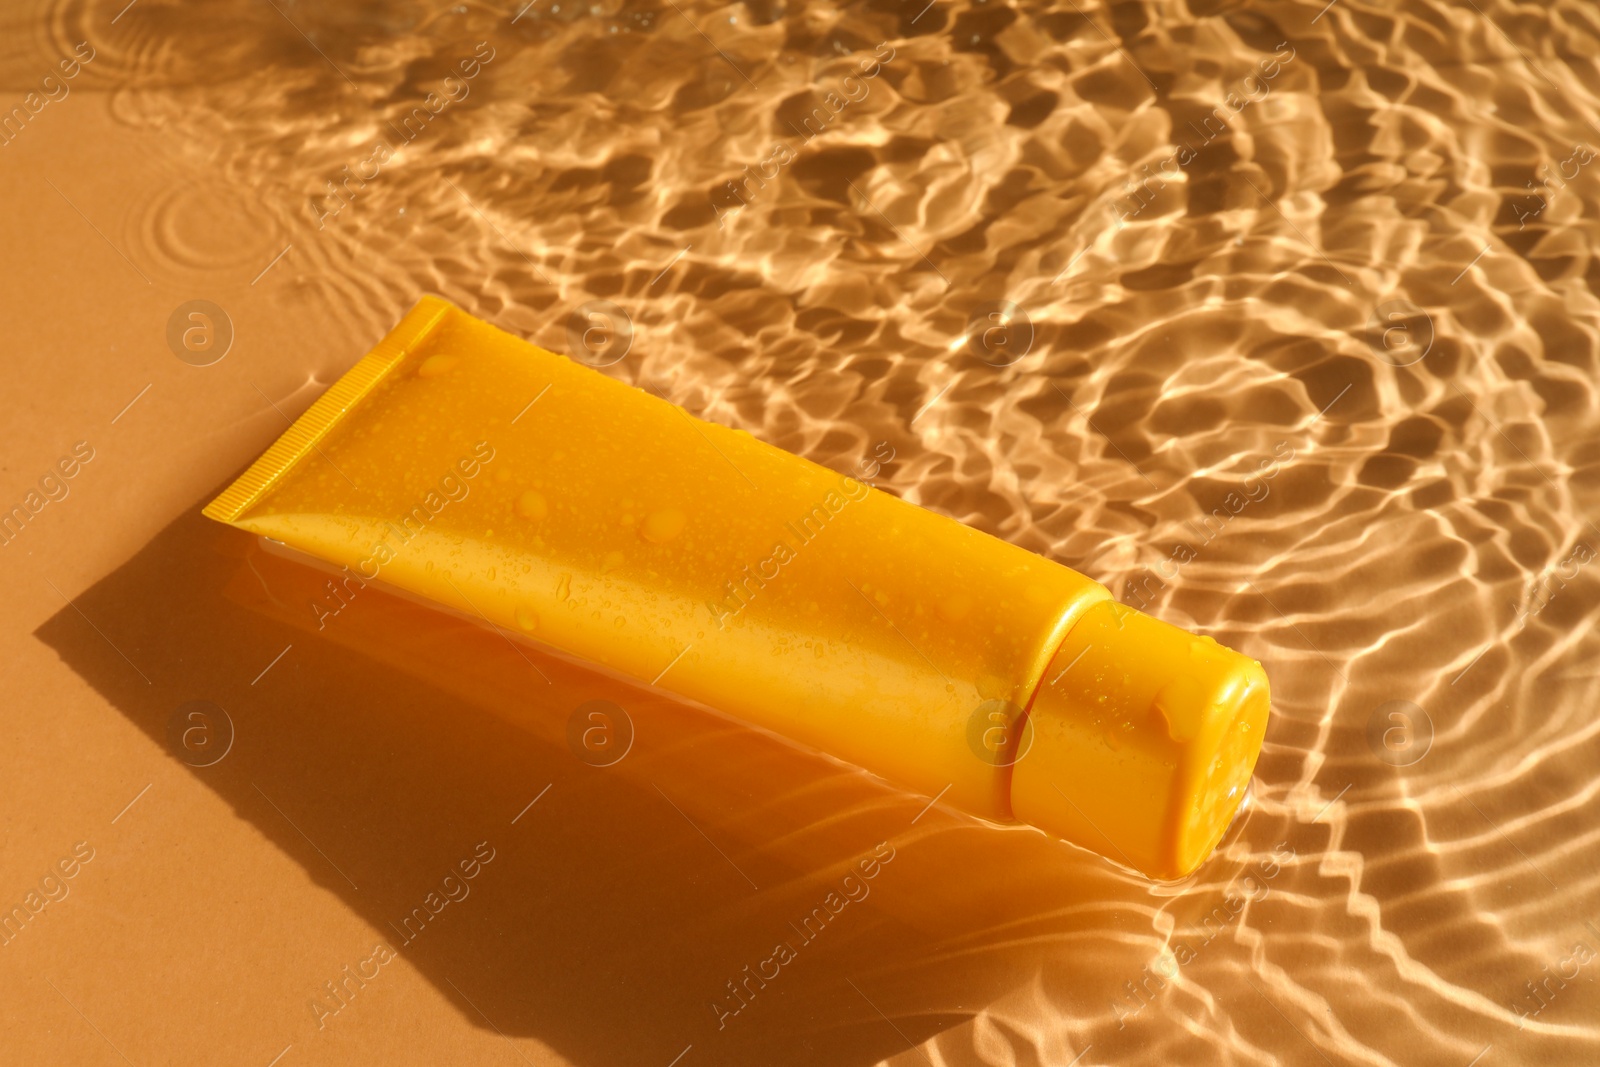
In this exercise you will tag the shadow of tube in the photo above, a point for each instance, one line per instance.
(636, 908)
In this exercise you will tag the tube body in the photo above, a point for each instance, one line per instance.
(468, 467)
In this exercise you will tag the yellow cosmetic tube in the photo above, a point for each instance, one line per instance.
(463, 465)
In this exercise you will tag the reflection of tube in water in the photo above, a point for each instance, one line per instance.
(466, 466)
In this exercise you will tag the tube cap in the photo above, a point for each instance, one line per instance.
(1143, 739)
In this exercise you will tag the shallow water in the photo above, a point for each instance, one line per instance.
(1276, 318)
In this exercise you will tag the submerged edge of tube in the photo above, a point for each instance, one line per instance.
(1144, 737)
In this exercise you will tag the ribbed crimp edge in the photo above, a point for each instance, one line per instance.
(319, 419)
